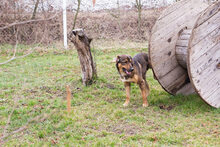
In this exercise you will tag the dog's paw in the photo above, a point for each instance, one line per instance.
(145, 105)
(125, 104)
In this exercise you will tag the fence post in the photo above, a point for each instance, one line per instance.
(64, 25)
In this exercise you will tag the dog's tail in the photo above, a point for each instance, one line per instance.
(146, 57)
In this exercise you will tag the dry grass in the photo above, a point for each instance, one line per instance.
(98, 25)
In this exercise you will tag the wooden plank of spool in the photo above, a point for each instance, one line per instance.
(204, 56)
(162, 45)
(182, 47)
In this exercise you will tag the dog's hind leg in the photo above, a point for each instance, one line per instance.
(144, 92)
(127, 89)
(147, 89)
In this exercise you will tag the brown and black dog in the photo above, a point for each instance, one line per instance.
(133, 70)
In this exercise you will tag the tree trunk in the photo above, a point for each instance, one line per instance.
(139, 7)
(35, 9)
(82, 44)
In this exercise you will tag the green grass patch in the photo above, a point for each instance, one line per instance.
(29, 85)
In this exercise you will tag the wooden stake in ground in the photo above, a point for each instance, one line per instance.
(68, 98)
(82, 44)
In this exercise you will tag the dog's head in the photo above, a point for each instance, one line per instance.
(124, 65)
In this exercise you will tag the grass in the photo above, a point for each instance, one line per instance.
(29, 85)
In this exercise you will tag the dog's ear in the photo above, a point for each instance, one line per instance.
(130, 58)
(89, 39)
(118, 59)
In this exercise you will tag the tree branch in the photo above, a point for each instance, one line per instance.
(38, 119)
(15, 50)
(77, 11)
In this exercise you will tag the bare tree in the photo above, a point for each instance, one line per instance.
(35, 9)
(139, 8)
(117, 16)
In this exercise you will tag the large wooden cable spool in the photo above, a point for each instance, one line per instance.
(204, 56)
(178, 46)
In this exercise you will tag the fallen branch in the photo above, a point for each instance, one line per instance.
(15, 50)
(9, 118)
(38, 119)
(13, 57)
(28, 21)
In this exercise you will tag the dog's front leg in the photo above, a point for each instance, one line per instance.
(144, 92)
(127, 89)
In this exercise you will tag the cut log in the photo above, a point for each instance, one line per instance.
(82, 44)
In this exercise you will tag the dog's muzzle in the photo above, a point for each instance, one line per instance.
(131, 69)
(128, 72)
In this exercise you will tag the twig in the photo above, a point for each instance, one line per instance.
(9, 119)
(15, 50)
(68, 97)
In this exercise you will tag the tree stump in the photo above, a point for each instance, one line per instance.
(88, 66)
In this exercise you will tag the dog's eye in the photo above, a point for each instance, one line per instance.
(123, 63)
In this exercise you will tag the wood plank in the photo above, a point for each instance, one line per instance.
(205, 29)
(166, 67)
(208, 79)
(178, 83)
(186, 9)
(214, 99)
(181, 50)
(208, 14)
(205, 79)
(169, 11)
(187, 31)
(204, 45)
(184, 36)
(164, 52)
(173, 75)
(172, 8)
(205, 60)
(169, 31)
(178, 22)
(183, 43)
(212, 88)
(181, 58)
(186, 89)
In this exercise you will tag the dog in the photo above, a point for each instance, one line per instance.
(133, 70)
